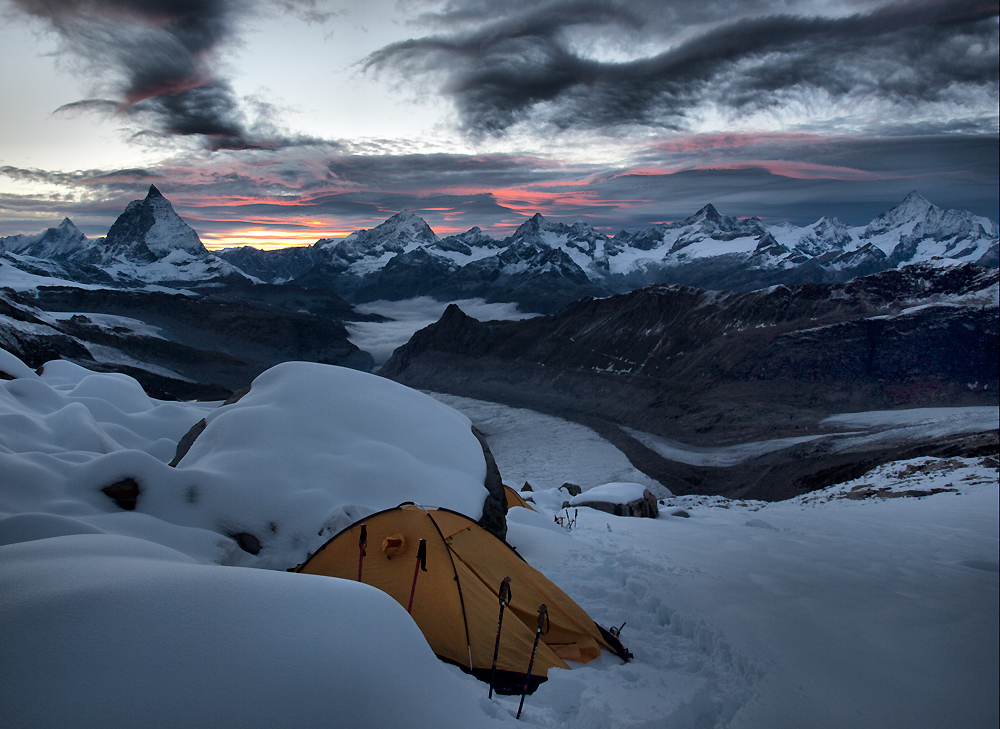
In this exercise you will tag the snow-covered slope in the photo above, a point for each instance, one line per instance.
(871, 603)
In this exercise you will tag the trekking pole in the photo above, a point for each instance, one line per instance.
(504, 599)
(543, 619)
(421, 565)
(362, 543)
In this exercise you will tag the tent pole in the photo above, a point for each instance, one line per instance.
(420, 565)
(542, 619)
(362, 543)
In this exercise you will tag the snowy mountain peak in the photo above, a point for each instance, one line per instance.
(403, 225)
(404, 231)
(707, 213)
(912, 210)
(532, 226)
(53, 243)
(149, 229)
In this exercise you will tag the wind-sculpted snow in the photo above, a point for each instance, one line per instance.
(307, 451)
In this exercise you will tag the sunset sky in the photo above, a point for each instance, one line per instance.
(282, 122)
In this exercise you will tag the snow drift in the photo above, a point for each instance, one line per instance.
(307, 451)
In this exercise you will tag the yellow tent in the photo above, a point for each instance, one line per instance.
(455, 602)
(515, 499)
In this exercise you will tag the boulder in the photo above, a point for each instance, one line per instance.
(571, 488)
(620, 499)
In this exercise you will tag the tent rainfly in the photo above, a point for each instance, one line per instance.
(515, 499)
(456, 601)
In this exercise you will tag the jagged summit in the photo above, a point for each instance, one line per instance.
(149, 230)
(403, 231)
(56, 243)
(707, 213)
(913, 209)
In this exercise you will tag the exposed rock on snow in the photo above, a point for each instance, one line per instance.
(620, 499)
(125, 493)
(495, 507)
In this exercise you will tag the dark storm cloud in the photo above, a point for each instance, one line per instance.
(503, 71)
(157, 59)
(427, 171)
(741, 178)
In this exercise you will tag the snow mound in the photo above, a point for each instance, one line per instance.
(613, 493)
(131, 633)
(14, 367)
(308, 450)
(311, 448)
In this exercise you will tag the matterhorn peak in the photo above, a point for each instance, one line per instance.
(914, 197)
(150, 227)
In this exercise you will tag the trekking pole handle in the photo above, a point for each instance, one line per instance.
(422, 554)
(505, 594)
(363, 539)
(543, 619)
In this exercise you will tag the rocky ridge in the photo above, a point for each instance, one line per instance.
(710, 368)
(543, 266)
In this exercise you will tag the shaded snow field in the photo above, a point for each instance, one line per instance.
(841, 608)
(546, 451)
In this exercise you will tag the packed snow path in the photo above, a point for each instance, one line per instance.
(822, 611)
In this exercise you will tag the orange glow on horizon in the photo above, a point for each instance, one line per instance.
(267, 239)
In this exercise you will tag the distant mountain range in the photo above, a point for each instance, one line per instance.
(542, 267)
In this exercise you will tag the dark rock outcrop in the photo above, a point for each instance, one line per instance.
(125, 493)
(494, 519)
(185, 443)
(716, 368)
(645, 507)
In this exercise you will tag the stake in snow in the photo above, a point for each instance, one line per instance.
(847, 607)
